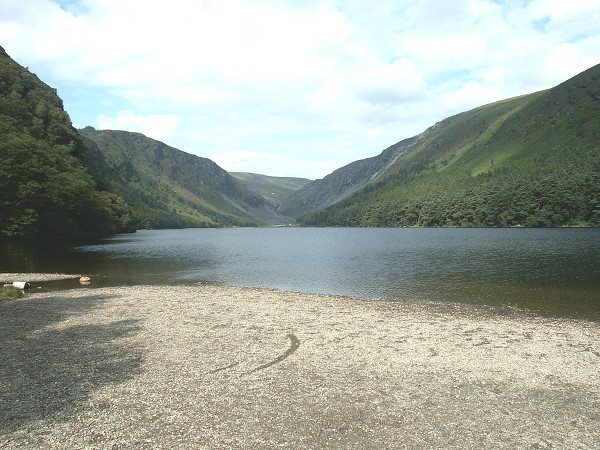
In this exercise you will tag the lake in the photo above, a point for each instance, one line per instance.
(553, 272)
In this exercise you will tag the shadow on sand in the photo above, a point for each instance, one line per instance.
(49, 371)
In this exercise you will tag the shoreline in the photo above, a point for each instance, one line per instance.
(39, 280)
(219, 366)
(6, 277)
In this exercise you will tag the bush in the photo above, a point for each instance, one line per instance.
(10, 292)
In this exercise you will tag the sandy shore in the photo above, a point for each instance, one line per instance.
(225, 367)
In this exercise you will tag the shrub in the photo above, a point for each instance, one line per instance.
(10, 292)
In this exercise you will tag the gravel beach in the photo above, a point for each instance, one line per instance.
(223, 367)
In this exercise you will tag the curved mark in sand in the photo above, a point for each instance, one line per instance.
(220, 369)
(295, 343)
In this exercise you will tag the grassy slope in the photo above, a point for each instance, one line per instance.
(516, 131)
(533, 142)
(166, 187)
(272, 189)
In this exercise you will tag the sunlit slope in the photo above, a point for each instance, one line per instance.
(270, 188)
(527, 161)
(275, 190)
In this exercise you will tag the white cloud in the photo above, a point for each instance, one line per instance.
(292, 85)
(467, 95)
(259, 162)
(158, 126)
(388, 84)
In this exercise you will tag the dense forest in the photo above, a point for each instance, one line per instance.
(45, 189)
(531, 161)
(568, 194)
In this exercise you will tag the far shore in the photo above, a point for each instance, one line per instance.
(213, 366)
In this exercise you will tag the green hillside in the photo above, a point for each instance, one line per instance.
(56, 182)
(168, 188)
(272, 189)
(46, 192)
(527, 161)
(344, 181)
(533, 160)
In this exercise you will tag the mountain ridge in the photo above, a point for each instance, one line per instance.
(346, 180)
(544, 142)
(192, 191)
(531, 160)
(274, 190)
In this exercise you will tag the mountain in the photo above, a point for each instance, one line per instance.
(168, 188)
(275, 190)
(344, 181)
(46, 192)
(56, 182)
(533, 160)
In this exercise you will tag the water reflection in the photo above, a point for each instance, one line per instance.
(556, 271)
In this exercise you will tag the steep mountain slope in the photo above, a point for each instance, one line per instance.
(344, 181)
(45, 190)
(273, 189)
(170, 188)
(527, 161)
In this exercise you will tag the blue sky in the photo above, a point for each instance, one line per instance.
(293, 88)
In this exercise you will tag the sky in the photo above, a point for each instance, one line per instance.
(293, 87)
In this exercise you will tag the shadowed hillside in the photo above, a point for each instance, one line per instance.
(168, 188)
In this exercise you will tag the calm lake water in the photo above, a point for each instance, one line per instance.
(550, 271)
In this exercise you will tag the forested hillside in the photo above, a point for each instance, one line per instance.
(528, 161)
(45, 190)
(58, 183)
